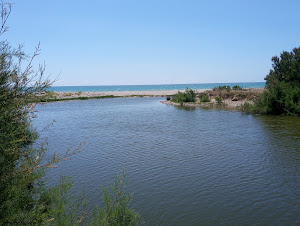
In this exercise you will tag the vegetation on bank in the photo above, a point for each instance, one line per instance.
(282, 90)
(281, 95)
(219, 96)
(25, 194)
(46, 98)
(50, 96)
(188, 95)
(227, 88)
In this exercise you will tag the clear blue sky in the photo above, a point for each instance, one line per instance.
(97, 42)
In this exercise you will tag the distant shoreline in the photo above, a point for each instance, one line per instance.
(122, 93)
(161, 87)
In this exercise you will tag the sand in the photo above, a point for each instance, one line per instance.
(61, 95)
(228, 102)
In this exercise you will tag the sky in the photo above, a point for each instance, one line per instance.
(131, 42)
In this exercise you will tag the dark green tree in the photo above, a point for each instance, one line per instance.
(282, 95)
(282, 90)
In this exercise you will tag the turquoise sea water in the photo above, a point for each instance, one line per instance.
(151, 87)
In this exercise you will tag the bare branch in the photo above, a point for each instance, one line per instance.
(5, 12)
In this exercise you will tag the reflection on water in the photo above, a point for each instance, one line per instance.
(186, 167)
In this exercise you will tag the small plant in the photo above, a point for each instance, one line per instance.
(219, 100)
(116, 210)
(68, 94)
(188, 95)
(50, 94)
(204, 97)
(252, 108)
(237, 87)
(221, 88)
(78, 93)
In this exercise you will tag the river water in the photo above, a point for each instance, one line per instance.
(185, 166)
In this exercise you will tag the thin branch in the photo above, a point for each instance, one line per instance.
(116, 198)
(5, 12)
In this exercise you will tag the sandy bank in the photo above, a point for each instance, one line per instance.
(63, 95)
(231, 99)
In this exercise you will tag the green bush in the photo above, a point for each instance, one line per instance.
(115, 210)
(251, 108)
(237, 87)
(282, 90)
(219, 100)
(222, 88)
(188, 95)
(204, 97)
(50, 94)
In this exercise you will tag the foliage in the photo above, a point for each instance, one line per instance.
(204, 97)
(36, 99)
(25, 196)
(221, 88)
(188, 95)
(250, 108)
(282, 91)
(237, 87)
(116, 210)
(50, 94)
(219, 100)
(20, 184)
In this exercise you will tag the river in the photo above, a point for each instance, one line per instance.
(185, 166)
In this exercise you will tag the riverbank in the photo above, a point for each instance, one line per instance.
(62, 96)
(231, 98)
(222, 98)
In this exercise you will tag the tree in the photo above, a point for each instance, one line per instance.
(282, 95)
(282, 90)
(25, 197)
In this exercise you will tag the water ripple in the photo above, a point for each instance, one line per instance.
(186, 167)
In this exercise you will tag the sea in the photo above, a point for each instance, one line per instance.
(152, 87)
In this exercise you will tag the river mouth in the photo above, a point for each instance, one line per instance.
(185, 166)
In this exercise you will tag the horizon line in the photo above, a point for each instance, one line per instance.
(162, 84)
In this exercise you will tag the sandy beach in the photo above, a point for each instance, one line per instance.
(159, 93)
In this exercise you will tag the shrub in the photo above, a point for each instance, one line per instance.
(237, 87)
(26, 198)
(188, 95)
(282, 90)
(251, 108)
(115, 210)
(222, 88)
(50, 94)
(204, 97)
(219, 100)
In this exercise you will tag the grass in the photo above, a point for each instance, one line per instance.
(72, 98)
